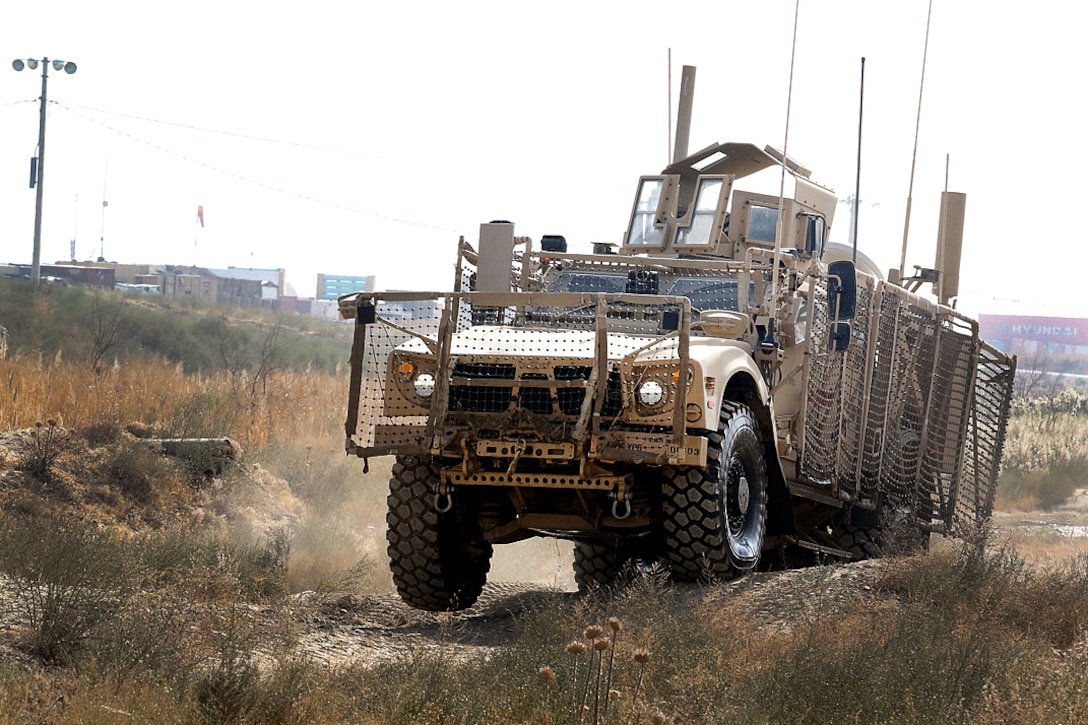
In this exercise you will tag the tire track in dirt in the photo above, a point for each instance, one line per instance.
(367, 630)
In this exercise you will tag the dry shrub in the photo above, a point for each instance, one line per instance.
(66, 583)
(39, 451)
(226, 693)
(994, 584)
(1042, 488)
(137, 473)
(99, 433)
(208, 566)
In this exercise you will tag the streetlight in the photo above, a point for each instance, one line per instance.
(32, 64)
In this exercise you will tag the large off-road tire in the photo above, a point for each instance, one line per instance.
(893, 535)
(715, 518)
(597, 564)
(861, 541)
(435, 566)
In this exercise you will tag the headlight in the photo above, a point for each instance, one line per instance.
(424, 385)
(650, 392)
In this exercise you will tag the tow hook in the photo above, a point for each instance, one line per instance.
(519, 449)
(443, 499)
(616, 509)
(621, 500)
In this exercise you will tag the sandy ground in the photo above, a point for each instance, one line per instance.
(343, 629)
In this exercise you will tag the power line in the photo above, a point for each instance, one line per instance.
(221, 132)
(246, 179)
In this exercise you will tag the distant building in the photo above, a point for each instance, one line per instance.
(1060, 338)
(86, 275)
(234, 286)
(332, 286)
(276, 277)
(139, 288)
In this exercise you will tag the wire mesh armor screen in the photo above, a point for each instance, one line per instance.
(901, 412)
(834, 405)
(526, 362)
(386, 416)
(985, 438)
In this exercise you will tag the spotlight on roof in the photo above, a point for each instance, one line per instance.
(553, 243)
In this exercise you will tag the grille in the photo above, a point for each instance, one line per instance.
(481, 399)
(527, 396)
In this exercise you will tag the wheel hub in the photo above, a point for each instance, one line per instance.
(737, 497)
(743, 494)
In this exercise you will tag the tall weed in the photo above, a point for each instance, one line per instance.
(1046, 450)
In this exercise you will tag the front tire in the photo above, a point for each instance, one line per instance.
(434, 564)
(715, 518)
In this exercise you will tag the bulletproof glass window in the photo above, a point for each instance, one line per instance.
(642, 231)
(709, 206)
(761, 223)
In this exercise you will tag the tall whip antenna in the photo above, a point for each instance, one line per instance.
(668, 141)
(857, 181)
(914, 154)
(785, 151)
(102, 231)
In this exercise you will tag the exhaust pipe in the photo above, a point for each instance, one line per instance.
(683, 113)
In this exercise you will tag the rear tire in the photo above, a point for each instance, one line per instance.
(861, 541)
(715, 518)
(435, 566)
(895, 534)
(597, 564)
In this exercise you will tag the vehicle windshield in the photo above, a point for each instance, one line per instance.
(585, 282)
(706, 293)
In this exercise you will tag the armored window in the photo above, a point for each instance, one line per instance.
(761, 223)
(643, 231)
(708, 213)
(585, 282)
(707, 293)
(653, 214)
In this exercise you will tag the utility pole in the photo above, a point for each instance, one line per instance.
(39, 182)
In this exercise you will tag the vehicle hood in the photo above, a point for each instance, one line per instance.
(486, 341)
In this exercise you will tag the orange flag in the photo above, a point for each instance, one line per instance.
(200, 215)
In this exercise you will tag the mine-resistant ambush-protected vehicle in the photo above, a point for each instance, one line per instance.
(722, 391)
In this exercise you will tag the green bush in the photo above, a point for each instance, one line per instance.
(65, 319)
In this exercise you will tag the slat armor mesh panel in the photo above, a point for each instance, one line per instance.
(906, 398)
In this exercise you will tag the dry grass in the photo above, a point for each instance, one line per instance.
(167, 632)
(299, 406)
(1046, 451)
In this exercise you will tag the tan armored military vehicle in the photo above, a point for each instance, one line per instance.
(717, 394)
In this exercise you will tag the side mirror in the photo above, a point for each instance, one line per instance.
(842, 290)
(839, 339)
(366, 313)
(815, 230)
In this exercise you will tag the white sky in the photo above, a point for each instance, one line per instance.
(391, 128)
